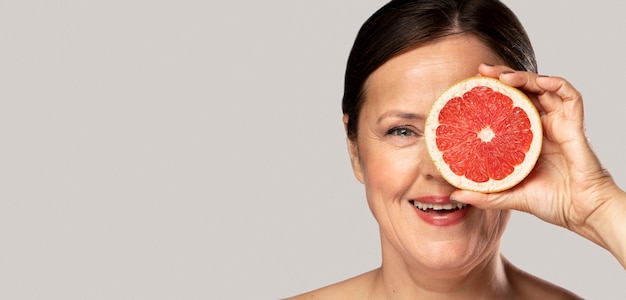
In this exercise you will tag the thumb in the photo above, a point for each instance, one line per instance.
(495, 201)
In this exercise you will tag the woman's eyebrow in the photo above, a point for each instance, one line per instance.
(400, 115)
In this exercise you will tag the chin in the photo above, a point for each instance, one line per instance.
(454, 256)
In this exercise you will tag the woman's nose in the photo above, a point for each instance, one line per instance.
(427, 166)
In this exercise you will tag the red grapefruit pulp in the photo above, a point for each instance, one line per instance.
(483, 135)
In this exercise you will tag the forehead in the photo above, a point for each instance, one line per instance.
(426, 71)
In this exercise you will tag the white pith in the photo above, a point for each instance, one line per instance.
(486, 134)
(519, 100)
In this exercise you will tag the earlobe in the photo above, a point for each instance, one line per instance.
(353, 151)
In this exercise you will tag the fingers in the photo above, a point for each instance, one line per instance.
(522, 80)
(565, 113)
(554, 94)
(534, 83)
(561, 95)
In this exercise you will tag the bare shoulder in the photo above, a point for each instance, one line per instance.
(354, 288)
(528, 286)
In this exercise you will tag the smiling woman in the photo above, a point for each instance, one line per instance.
(439, 242)
(438, 247)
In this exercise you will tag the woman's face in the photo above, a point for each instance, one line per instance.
(389, 156)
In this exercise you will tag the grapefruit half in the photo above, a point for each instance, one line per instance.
(483, 135)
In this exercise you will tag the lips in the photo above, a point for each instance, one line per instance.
(440, 211)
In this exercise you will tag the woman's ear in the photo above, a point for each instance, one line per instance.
(353, 150)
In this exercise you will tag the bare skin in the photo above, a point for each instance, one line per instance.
(457, 258)
(519, 285)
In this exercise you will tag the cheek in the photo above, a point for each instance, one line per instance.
(390, 172)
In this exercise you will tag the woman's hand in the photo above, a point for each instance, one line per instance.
(568, 186)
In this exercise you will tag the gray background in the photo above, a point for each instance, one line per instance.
(194, 150)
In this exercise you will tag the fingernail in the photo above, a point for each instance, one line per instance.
(507, 72)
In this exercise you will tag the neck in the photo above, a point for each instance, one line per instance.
(398, 279)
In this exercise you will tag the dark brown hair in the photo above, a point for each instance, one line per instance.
(404, 24)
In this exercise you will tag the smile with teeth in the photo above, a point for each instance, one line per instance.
(438, 207)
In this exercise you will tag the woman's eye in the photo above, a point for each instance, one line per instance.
(401, 132)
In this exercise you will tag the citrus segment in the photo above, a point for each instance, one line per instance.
(483, 135)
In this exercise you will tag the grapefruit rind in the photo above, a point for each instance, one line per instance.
(519, 100)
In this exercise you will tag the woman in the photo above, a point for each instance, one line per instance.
(404, 56)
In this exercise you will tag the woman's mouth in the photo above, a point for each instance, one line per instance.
(441, 213)
(438, 208)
